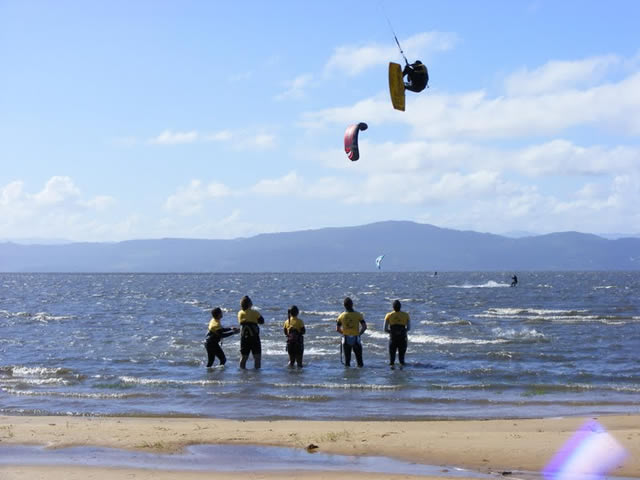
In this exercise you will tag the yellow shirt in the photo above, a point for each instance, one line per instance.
(350, 322)
(214, 325)
(397, 318)
(294, 323)
(248, 316)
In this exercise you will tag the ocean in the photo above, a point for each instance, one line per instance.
(558, 344)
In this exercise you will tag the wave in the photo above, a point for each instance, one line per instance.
(523, 335)
(174, 383)
(18, 371)
(441, 340)
(338, 386)
(489, 284)
(550, 315)
(115, 396)
(42, 317)
(457, 321)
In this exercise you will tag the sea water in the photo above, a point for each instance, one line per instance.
(560, 343)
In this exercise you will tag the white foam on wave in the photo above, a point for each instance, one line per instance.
(458, 321)
(489, 284)
(524, 334)
(31, 393)
(441, 340)
(166, 381)
(21, 371)
(339, 386)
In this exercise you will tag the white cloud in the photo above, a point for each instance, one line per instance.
(57, 190)
(285, 185)
(560, 75)
(169, 137)
(295, 89)
(352, 60)
(474, 115)
(100, 202)
(220, 136)
(190, 200)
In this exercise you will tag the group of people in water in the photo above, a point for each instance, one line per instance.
(350, 324)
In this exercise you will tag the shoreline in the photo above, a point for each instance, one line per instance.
(478, 445)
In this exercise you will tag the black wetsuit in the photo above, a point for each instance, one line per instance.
(417, 77)
(352, 342)
(250, 339)
(397, 342)
(212, 344)
(295, 346)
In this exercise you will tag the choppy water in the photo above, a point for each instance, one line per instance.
(119, 344)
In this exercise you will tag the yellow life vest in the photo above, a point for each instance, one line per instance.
(214, 325)
(294, 323)
(248, 316)
(397, 318)
(350, 322)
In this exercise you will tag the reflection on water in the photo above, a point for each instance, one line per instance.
(228, 458)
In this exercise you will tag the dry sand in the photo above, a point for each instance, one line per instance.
(479, 445)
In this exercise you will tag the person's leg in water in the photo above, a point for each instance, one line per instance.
(211, 356)
(220, 354)
(292, 355)
(299, 353)
(402, 349)
(357, 349)
(392, 351)
(256, 351)
(244, 350)
(347, 353)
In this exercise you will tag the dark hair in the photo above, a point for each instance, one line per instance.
(216, 312)
(245, 303)
(293, 311)
(348, 303)
(397, 305)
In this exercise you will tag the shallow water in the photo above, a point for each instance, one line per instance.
(225, 458)
(131, 344)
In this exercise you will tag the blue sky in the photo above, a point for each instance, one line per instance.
(207, 119)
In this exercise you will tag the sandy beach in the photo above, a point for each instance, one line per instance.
(486, 446)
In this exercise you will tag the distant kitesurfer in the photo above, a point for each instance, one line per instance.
(397, 324)
(351, 325)
(514, 280)
(249, 319)
(294, 330)
(417, 76)
(216, 333)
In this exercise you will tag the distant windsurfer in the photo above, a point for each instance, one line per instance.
(514, 280)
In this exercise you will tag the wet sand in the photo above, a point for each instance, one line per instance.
(485, 446)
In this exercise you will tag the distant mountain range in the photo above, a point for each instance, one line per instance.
(407, 246)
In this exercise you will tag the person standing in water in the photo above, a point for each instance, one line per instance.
(397, 324)
(514, 280)
(249, 319)
(215, 334)
(294, 330)
(351, 325)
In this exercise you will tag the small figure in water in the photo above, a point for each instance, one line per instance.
(294, 330)
(351, 325)
(216, 333)
(435, 274)
(417, 76)
(397, 324)
(514, 280)
(249, 319)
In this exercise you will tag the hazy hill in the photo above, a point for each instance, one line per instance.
(407, 246)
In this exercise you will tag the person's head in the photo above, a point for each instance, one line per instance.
(417, 62)
(397, 305)
(348, 303)
(293, 311)
(246, 303)
(216, 313)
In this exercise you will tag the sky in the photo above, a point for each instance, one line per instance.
(208, 119)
